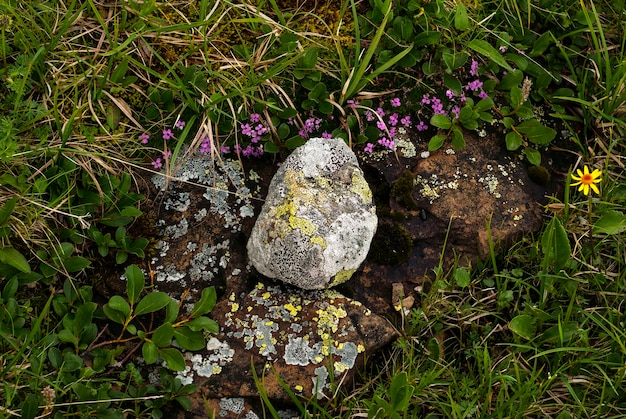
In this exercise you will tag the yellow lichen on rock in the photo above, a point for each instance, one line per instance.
(360, 187)
(341, 277)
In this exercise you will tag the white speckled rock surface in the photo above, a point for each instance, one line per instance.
(318, 220)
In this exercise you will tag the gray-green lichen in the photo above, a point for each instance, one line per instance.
(302, 327)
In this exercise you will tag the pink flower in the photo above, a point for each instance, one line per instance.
(456, 112)
(255, 117)
(369, 147)
(483, 94)
(502, 49)
(474, 85)
(421, 126)
(395, 102)
(474, 68)
(180, 124)
(167, 134)
(450, 94)
(205, 147)
(352, 103)
(144, 138)
(393, 119)
(157, 164)
(327, 135)
(386, 143)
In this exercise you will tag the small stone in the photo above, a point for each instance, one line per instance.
(318, 220)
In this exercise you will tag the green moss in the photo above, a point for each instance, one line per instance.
(392, 245)
(402, 191)
(539, 175)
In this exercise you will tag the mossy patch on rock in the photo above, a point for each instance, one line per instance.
(539, 175)
(392, 244)
(402, 191)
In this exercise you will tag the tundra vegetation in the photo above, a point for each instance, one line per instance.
(92, 94)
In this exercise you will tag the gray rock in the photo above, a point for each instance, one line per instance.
(318, 219)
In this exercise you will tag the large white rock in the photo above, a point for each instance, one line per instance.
(318, 219)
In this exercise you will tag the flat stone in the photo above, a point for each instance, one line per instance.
(318, 220)
(454, 204)
(298, 339)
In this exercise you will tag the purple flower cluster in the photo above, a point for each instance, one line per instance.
(158, 163)
(310, 126)
(388, 124)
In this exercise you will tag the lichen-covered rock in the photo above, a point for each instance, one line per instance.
(318, 220)
(307, 341)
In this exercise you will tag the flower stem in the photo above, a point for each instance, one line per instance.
(590, 224)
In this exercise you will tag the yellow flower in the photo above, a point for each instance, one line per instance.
(587, 180)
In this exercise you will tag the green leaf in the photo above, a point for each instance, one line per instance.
(76, 263)
(454, 61)
(611, 222)
(555, 245)
(71, 362)
(561, 333)
(29, 407)
(461, 21)
(535, 132)
(513, 141)
(462, 277)
(10, 289)
(283, 131)
(516, 97)
(458, 140)
(441, 121)
(483, 105)
(488, 51)
(135, 283)
(12, 257)
(436, 142)
(120, 71)
(121, 257)
(308, 59)
(67, 336)
(452, 83)
(541, 44)
(150, 352)
(400, 392)
(173, 358)
(171, 311)
(427, 38)
(294, 142)
(533, 156)
(152, 302)
(188, 339)
(206, 302)
(83, 317)
(403, 27)
(120, 304)
(287, 113)
(163, 335)
(203, 323)
(114, 315)
(525, 112)
(7, 209)
(508, 122)
(270, 147)
(524, 326)
(512, 78)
